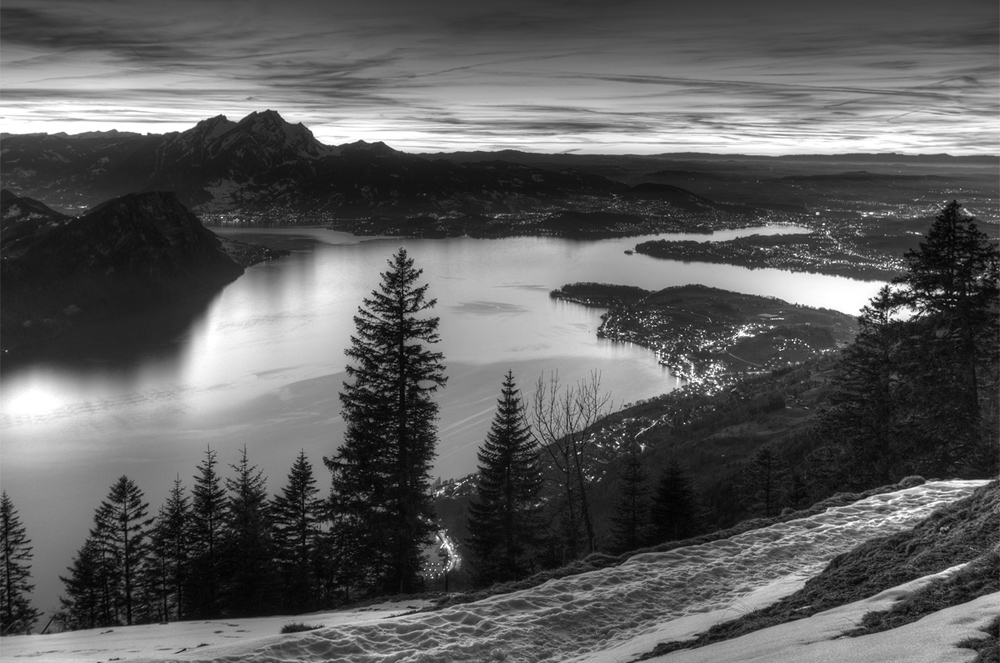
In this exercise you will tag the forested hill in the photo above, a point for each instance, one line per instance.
(131, 253)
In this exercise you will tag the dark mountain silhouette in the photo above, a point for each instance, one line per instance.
(129, 253)
(263, 164)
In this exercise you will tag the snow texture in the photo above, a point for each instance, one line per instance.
(613, 614)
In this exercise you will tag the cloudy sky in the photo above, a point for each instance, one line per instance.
(623, 76)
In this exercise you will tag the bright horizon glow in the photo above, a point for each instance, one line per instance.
(638, 77)
(417, 144)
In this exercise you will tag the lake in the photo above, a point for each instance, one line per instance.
(261, 364)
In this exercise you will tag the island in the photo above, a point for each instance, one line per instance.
(709, 336)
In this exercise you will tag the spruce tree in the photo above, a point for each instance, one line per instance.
(247, 546)
(630, 521)
(381, 473)
(87, 602)
(16, 614)
(121, 526)
(505, 521)
(767, 482)
(297, 516)
(208, 512)
(952, 285)
(868, 398)
(921, 393)
(171, 544)
(673, 514)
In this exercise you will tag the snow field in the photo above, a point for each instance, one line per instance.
(604, 616)
(604, 609)
(817, 638)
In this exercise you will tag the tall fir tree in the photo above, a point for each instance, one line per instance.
(16, 614)
(121, 526)
(674, 512)
(381, 473)
(298, 512)
(868, 397)
(87, 603)
(921, 393)
(767, 482)
(171, 552)
(630, 521)
(505, 521)
(208, 515)
(248, 550)
(952, 285)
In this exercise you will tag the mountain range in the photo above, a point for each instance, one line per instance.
(263, 163)
(265, 170)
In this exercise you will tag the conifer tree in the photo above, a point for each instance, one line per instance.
(343, 563)
(767, 482)
(630, 521)
(297, 532)
(952, 284)
(921, 394)
(121, 527)
(248, 548)
(208, 513)
(505, 521)
(673, 514)
(381, 473)
(16, 614)
(868, 398)
(171, 544)
(87, 603)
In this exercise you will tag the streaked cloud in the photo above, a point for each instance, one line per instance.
(547, 75)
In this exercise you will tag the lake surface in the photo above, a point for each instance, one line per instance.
(262, 362)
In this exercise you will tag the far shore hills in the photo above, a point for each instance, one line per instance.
(862, 210)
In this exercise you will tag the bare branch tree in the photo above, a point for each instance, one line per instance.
(561, 420)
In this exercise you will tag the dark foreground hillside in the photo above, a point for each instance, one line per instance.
(958, 533)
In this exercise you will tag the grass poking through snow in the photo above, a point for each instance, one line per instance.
(954, 534)
(298, 627)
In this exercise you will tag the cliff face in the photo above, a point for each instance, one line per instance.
(125, 254)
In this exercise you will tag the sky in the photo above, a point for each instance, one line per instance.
(588, 76)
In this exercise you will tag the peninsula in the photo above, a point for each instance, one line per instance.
(708, 335)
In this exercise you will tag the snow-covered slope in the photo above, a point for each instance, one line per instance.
(608, 615)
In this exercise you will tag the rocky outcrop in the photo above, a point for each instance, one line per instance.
(125, 254)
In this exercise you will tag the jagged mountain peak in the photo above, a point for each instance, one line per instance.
(272, 132)
(264, 117)
(377, 148)
(208, 130)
